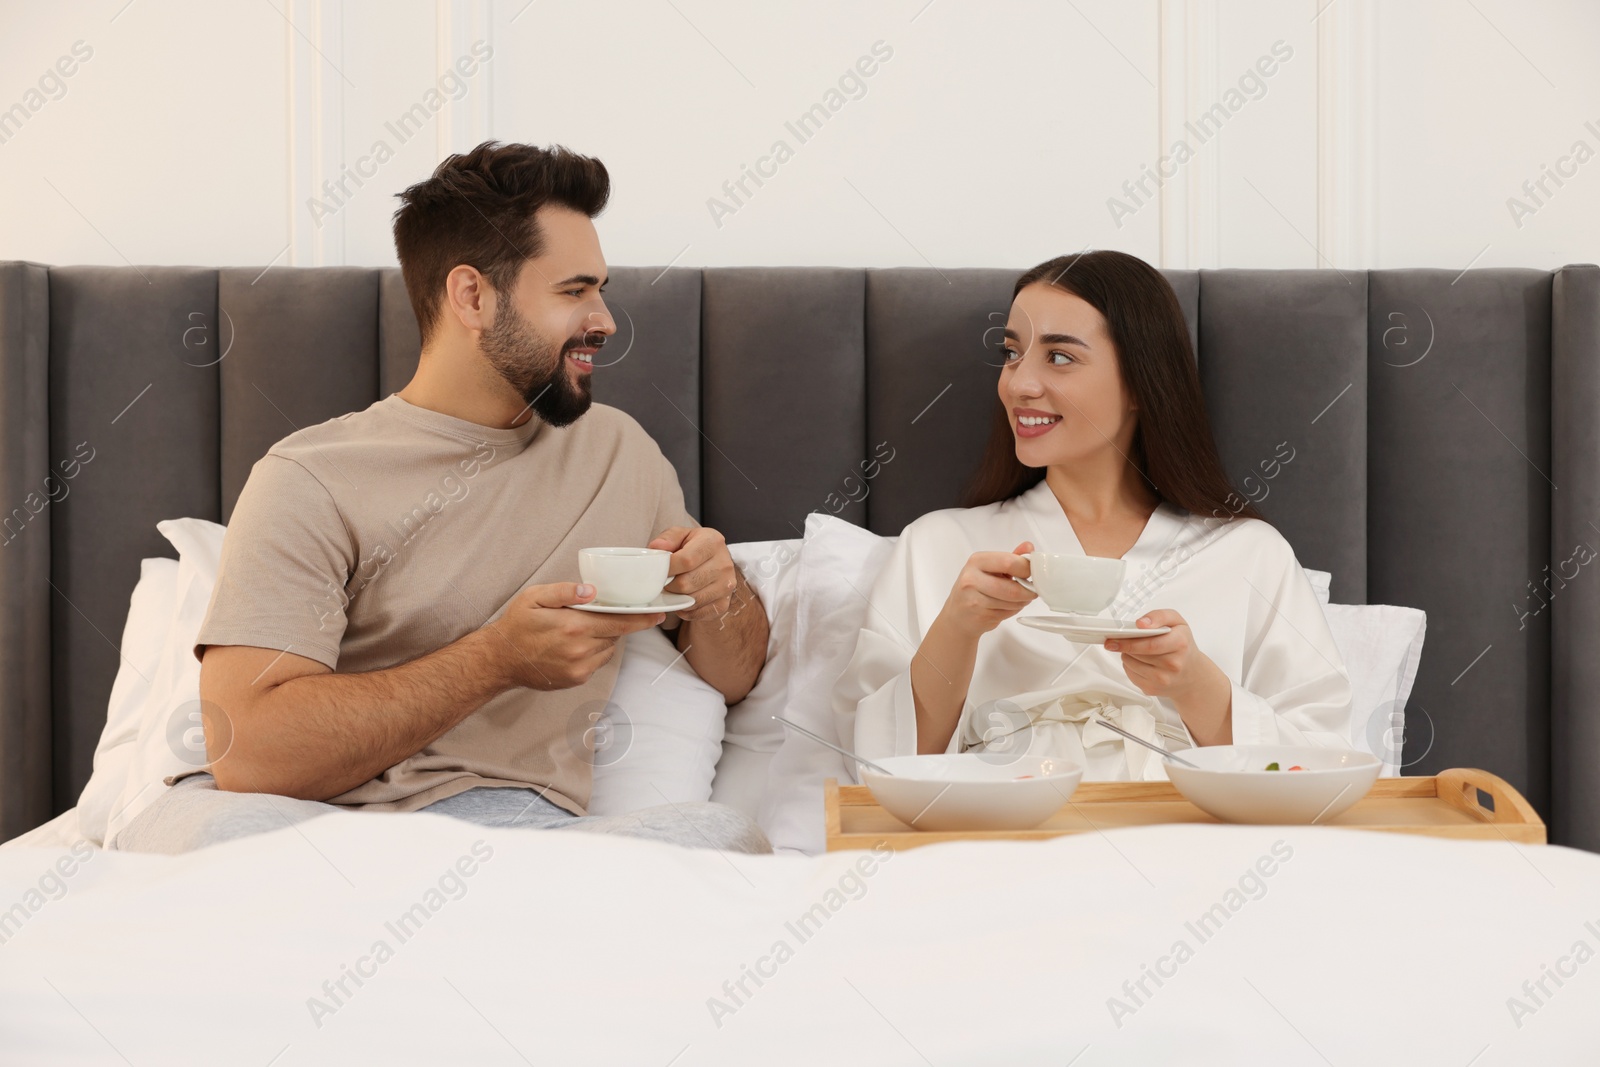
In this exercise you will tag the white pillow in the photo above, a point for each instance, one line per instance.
(1382, 646)
(171, 740)
(1320, 583)
(60, 832)
(658, 738)
(838, 565)
(149, 613)
(752, 735)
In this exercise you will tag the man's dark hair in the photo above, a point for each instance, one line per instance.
(477, 209)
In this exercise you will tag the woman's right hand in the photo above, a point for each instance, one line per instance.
(984, 594)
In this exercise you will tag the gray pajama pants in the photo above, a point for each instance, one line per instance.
(195, 813)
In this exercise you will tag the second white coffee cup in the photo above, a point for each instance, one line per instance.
(624, 577)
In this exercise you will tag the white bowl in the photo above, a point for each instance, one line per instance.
(1233, 784)
(973, 790)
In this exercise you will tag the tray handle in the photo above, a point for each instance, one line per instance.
(1459, 787)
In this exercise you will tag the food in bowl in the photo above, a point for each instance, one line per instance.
(973, 790)
(1238, 783)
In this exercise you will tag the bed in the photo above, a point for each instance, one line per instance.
(420, 939)
(1432, 414)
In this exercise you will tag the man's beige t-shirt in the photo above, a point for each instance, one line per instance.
(385, 534)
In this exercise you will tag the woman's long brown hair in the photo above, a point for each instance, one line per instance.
(1173, 447)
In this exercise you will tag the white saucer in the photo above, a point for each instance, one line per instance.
(1086, 630)
(664, 602)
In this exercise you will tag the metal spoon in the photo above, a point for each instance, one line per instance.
(1154, 748)
(836, 748)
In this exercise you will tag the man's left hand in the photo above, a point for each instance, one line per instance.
(700, 567)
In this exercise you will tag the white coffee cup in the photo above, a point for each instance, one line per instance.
(624, 577)
(1071, 583)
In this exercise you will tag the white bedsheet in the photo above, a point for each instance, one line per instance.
(1361, 948)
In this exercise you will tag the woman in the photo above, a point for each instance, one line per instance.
(1101, 447)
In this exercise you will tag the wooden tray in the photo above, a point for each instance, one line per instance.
(1450, 804)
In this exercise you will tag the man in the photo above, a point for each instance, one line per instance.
(393, 625)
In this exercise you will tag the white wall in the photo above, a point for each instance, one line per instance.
(995, 134)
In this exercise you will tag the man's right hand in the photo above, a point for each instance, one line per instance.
(546, 645)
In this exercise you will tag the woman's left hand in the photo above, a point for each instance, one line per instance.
(1166, 665)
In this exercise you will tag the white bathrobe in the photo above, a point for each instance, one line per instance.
(1237, 583)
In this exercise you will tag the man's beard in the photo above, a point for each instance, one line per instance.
(535, 367)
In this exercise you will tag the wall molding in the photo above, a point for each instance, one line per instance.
(1187, 83)
(465, 123)
(316, 127)
(1347, 133)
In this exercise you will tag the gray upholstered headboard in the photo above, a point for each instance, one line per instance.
(1443, 428)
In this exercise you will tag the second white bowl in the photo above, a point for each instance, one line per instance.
(1233, 784)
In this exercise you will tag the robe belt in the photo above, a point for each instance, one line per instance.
(1066, 726)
